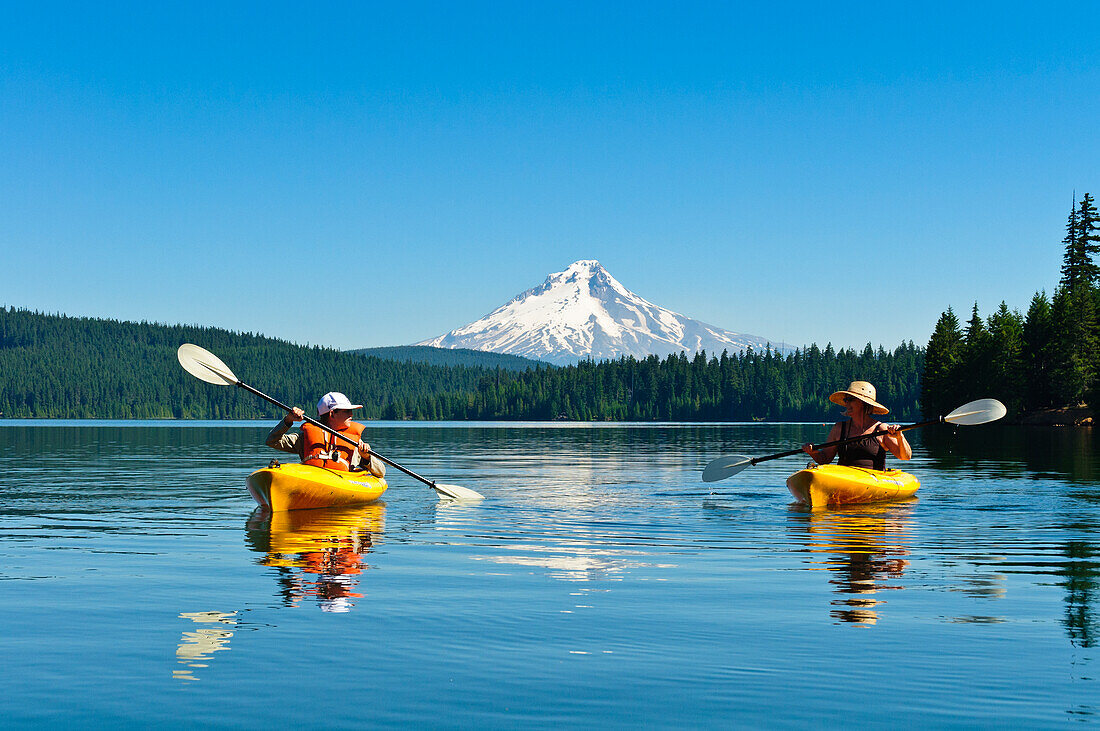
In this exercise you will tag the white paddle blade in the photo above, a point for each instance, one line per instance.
(981, 411)
(205, 366)
(724, 467)
(456, 493)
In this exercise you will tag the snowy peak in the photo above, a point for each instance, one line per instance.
(584, 312)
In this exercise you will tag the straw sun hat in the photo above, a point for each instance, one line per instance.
(863, 391)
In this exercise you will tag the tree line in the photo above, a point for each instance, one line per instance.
(1049, 357)
(742, 387)
(54, 366)
(450, 356)
(59, 367)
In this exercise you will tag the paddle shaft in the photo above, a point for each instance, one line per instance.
(334, 433)
(837, 443)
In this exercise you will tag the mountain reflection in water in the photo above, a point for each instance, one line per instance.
(317, 553)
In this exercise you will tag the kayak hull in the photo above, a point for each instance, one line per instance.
(300, 487)
(829, 485)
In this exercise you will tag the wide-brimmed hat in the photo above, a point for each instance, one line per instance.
(336, 400)
(863, 391)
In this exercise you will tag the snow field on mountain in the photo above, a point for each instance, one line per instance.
(584, 312)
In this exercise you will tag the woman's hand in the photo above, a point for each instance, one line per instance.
(895, 441)
(295, 414)
(808, 449)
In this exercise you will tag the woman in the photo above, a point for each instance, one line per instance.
(315, 446)
(860, 408)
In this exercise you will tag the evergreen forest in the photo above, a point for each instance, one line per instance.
(1048, 358)
(55, 366)
(747, 386)
(450, 356)
(61, 367)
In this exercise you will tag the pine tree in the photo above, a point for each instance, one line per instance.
(1037, 355)
(1088, 232)
(939, 384)
(976, 366)
(1074, 260)
(1082, 245)
(1088, 228)
(1073, 346)
(1074, 309)
(1006, 333)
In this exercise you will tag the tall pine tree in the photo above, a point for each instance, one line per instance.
(1088, 239)
(1088, 229)
(1074, 308)
(939, 385)
(977, 366)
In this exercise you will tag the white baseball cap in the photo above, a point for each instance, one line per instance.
(335, 400)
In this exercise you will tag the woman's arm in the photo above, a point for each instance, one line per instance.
(824, 456)
(369, 462)
(278, 438)
(895, 442)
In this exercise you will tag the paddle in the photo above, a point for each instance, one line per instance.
(981, 411)
(206, 366)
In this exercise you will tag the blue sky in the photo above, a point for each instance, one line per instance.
(375, 174)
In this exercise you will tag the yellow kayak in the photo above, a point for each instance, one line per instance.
(830, 484)
(300, 486)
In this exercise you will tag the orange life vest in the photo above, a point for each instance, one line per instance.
(321, 449)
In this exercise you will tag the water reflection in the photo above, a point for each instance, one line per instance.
(999, 450)
(1081, 579)
(317, 554)
(574, 561)
(864, 547)
(196, 648)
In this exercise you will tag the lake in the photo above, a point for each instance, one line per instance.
(600, 583)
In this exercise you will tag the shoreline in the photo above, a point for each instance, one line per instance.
(1073, 416)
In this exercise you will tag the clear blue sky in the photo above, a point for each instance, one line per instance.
(367, 174)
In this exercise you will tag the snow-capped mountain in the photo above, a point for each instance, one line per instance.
(584, 312)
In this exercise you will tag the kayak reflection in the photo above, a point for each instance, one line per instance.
(317, 554)
(865, 548)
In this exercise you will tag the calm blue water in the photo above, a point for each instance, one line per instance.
(599, 584)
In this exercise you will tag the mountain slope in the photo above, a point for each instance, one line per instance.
(584, 312)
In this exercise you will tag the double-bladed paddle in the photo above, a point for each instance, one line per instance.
(981, 411)
(206, 366)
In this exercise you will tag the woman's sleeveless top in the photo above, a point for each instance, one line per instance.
(866, 453)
